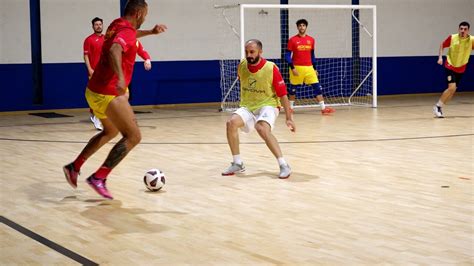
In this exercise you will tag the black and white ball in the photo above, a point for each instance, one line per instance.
(154, 179)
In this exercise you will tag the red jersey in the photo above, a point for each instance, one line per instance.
(93, 47)
(301, 48)
(142, 52)
(278, 82)
(104, 80)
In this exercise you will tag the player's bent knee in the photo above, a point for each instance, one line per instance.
(135, 138)
(133, 135)
(317, 88)
(234, 122)
(452, 87)
(110, 134)
(263, 129)
(292, 90)
(231, 124)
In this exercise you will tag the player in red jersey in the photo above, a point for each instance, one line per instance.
(302, 62)
(92, 49)
(93, 46)
(106, 94)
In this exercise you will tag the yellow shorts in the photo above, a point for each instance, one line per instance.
(306, 75)
(99, 102)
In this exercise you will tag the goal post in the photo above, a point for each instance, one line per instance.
(346, 49)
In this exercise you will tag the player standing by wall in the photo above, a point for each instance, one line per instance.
(92, 49)
(460, 47)
(302, 61)
(106, 94)
(261, 90)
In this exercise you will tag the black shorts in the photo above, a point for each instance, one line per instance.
(453, 77)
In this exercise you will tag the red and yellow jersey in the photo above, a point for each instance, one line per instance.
(459, 52)
(93, 47)
(260, 85)
(104, 79)
(301, 49)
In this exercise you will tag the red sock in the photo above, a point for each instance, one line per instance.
(102, 172)
(78, 163)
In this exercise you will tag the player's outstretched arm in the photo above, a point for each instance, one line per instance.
(288, 113)
(440, 56)
(145, 56)
(157, 29)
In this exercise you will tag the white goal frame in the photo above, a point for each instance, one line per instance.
(243, 7)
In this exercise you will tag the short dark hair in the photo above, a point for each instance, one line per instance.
(302, 21)
(258, 42)
(464, 23)
(133, 6)
(96, 19)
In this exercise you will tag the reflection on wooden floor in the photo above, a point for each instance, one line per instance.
(385, 185)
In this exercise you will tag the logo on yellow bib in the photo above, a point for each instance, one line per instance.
(252, 82)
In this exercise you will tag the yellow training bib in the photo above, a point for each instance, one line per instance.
(256, 89)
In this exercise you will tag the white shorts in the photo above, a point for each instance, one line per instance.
(267, 113)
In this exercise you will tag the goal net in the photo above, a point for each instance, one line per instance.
(345, 49)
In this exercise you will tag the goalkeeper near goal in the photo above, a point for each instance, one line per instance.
(302, 62)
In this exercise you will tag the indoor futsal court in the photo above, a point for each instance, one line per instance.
(385, 179)
(395, 188)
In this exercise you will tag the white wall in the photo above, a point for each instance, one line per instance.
(66, 23)
(197, 31)
(417, 27)
(15, 44)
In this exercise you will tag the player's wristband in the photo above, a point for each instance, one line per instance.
(292, 66)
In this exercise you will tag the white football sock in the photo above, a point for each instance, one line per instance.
(281, 161)
(237, 159)
(323, 106)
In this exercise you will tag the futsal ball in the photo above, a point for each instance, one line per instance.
(154, 179)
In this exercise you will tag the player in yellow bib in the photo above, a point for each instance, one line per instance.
(262, 92)
(460, 47)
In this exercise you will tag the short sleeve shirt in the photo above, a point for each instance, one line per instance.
(104, 80)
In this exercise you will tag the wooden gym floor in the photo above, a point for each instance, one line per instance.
(369, 186)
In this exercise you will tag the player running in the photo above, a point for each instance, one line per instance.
(107, 95)
(460, 47)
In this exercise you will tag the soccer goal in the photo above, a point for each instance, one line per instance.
(346, 49)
